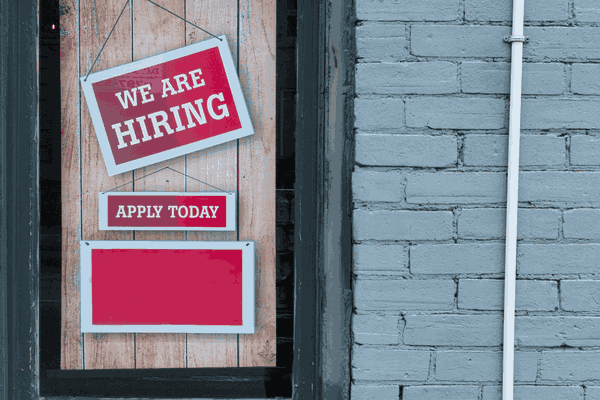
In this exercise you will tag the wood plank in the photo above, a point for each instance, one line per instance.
(257, 171)
(216, 166)
(71, 344)
(96, 21)
(156, 31)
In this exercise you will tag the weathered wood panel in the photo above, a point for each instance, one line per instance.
(216, 166)
(96, 22)
(156, 31)
(246, 166)
(71, 343)
(257, 171)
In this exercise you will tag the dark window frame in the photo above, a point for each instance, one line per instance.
(324, 151)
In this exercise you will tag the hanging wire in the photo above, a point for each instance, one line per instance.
(162, 169)
(205, 31)
(117, 21)
(108, 37)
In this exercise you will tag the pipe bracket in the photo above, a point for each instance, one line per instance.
(513, 38)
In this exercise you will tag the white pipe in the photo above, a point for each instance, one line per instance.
(514, 131)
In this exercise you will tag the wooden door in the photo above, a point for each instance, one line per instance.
(246, 166)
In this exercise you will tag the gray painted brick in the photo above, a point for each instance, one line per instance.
(457, 259)
(382, 49)
(581, 224)
(381, 42)
(456, 187)
(407, 10)
(545, 43)
(377, 186)
(406, 150)
(483, 366)
(576, 295)
(488, 77)
(376, 329)
(592, 393)
(457, 41)
(587, 11)
(536, 392)
(386, 42)
(436, 77)
(453, 330)
(374, 30)
(488, 294)
(555, 331)
(542, 259)
(563, 43)
(561, 366)
(380, 259)
(585, 78)
(386, 364)
(553, 113)
(490, 223)
(402, 225)
(456, 113)
(397, 295)
(536, 10)
(569, 188)
(535, 150)
(441, 393)
(368, 392)
(381, 113)
(585, 150)
(486, 330)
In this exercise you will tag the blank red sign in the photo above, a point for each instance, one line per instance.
(166, 287)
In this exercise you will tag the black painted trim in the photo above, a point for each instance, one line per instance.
(308, 202)
(325, 55)
(338, 149)
(169, 383)
(19, 205)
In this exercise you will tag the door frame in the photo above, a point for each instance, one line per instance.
(325, 56)
(323, 205)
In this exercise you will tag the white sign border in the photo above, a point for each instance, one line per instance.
(234, 84)
(248, 278)
(103, 211)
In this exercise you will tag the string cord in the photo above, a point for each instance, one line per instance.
(205, 31)
(158, 170)
(108, 37)
(117, 21)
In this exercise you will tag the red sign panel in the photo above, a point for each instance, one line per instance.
(167, 105)
(167, 211)
(167, 286)
(157, 286)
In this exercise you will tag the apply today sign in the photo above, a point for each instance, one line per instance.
(167, 211)
(167, 105)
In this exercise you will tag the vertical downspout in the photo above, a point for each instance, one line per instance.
(514, 131)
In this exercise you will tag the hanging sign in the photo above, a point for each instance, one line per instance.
(167, 105)
(167, 211)
(167, 286)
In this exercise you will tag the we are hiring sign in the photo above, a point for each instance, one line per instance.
(167, 105)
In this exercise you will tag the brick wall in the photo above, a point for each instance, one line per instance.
(429, 187)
